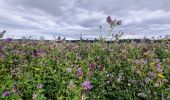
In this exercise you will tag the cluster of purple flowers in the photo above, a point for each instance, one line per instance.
(93, 65)
(113, 22)
(151, 74)
(86, 85)
(159, 68)
(109, 19)
(6, 93)
(8, 40)
(37, 53)
(91, 68)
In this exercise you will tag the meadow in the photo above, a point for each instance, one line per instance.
(51, 70)
(85, 70)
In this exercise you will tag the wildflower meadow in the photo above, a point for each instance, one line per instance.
(60, 70)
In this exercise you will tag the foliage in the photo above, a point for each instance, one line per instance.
(50, 70)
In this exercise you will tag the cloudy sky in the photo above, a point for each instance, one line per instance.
(70, 18)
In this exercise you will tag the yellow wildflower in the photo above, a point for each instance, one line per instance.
(36, 68)
(160, 75)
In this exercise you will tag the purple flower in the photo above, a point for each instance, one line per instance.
(38, 53)
(109, 20)
(147, 80)
(93, 65)
(79, 72)
(0, 48)
(91, 72)
(8, 40)
(159, 68)
(6, 93)
(86, 85)
(143, 61)
(152, 75)
(35, 54)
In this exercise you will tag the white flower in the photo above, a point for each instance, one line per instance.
(69, 70)
(34, 96)
(142, 95)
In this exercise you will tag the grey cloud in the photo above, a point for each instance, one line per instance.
(84, 16)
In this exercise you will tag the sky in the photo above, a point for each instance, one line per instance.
(70, 18)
